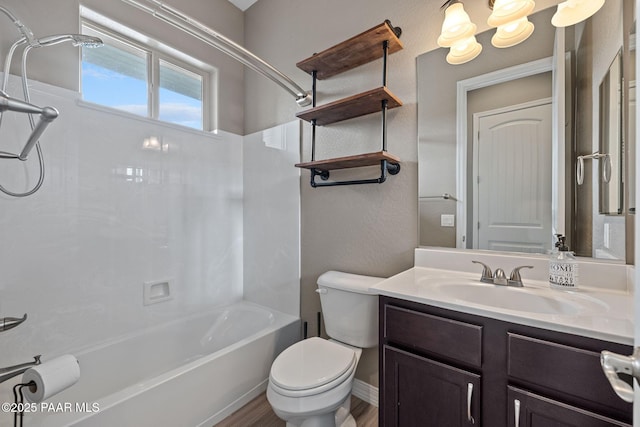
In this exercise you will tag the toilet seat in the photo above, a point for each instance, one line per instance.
(311, 366)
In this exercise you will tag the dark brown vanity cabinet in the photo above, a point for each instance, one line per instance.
(445, 368)
(428, 393)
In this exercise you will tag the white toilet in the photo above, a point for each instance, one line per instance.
(310, 382)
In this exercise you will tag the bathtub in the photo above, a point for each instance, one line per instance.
(191, 372)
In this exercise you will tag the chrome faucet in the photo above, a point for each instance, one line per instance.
(515, 279)
(487, 275)
(12, 371)
(499, 277)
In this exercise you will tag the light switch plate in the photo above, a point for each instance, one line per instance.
(447, 220)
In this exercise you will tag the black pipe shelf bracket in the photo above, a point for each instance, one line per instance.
(377, 42)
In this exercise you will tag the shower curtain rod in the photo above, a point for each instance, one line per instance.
(200, 31)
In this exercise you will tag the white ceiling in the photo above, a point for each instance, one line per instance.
(243, 4)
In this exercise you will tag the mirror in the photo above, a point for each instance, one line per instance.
(486, 183)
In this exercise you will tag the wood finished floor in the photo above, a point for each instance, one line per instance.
(258, 413)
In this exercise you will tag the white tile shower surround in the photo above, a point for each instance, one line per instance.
(113, 215)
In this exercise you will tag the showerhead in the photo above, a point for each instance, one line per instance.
(87, 41)
(75, 39)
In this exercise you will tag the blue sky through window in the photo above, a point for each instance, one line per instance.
(107, 87)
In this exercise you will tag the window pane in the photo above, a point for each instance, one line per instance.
(115, 75)
(180, 96)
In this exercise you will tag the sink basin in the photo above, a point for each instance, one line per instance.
(521, 299)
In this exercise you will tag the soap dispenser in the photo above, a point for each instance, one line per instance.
(563, 267)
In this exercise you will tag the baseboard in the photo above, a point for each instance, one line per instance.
(365, 392)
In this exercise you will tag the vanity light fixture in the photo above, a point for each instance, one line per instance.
(456, 25)
(458, 34)
(511, 34)
(464, 51)
(510, 18)
(571, 12)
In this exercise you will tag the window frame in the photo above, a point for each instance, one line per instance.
(157, 51)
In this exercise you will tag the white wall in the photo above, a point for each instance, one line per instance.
(272, 217)
(111, 216)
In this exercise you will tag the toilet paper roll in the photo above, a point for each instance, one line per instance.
(51, 377)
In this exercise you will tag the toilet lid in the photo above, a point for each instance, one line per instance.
(311, 363)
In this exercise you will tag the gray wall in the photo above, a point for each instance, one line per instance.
(370, 229)
(58, 65)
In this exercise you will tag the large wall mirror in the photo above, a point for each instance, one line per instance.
(501, 140)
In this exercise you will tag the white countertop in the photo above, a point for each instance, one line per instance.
(596, 313)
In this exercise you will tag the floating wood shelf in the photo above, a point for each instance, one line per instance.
(359, 160)
(377, 42)
(351, 107)
(358, 50)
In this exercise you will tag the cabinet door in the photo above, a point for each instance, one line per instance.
(530, 410)
(422, 392)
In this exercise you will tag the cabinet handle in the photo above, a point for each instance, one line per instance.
(516, 407)
(469, 395)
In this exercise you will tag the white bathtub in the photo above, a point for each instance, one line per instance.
(192, 372)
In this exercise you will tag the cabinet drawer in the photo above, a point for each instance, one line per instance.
(451, 339)
(571, 371)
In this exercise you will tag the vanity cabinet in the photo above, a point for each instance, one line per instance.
(429, 392)
(530, 410)
(441, 367)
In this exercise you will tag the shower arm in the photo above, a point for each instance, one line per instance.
(202, 32)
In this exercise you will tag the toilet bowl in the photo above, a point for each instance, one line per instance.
(310, 382)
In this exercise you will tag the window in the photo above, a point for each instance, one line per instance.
(144, 80)
(180, 95)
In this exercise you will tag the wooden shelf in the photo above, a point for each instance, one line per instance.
(351, 107)
(359, 160)
(377, 42)
(352, 53)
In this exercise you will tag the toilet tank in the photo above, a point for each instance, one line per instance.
(350, 311)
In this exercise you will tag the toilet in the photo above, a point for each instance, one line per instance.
(310, 382)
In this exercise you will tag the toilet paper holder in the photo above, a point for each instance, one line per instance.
(15, 370)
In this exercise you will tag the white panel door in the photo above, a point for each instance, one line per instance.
(512, 185)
